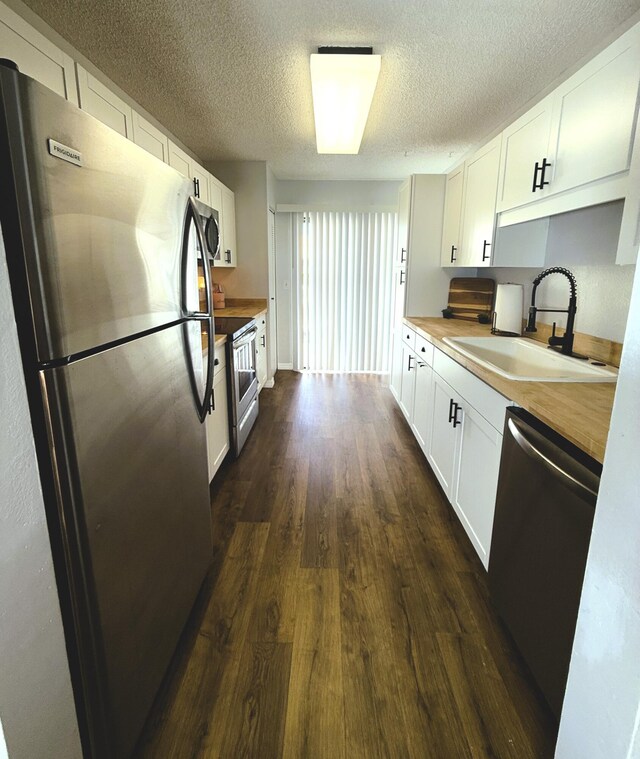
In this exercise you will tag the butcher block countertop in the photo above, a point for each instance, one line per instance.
(580, 411)
(250, 307)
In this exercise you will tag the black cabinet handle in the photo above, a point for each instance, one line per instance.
(453, 252)
(542, 170)
(403, 255)
(216, 362)
(402, 279)
(485, 256)
(227, 256)
(409, 367)
(453, 413)
(196, 187)
(264, 341)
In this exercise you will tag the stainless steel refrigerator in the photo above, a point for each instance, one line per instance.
(102, 241)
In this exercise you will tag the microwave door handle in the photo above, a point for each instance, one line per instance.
(192, 216)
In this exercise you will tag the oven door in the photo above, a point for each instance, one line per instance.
(245, 377)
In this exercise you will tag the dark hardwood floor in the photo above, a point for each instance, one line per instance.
(346, 614)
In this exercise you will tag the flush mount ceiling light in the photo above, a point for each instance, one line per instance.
(343, 80)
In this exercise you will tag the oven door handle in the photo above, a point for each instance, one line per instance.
(192, 216)
(246, 338)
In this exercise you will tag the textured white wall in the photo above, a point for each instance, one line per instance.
(601, 713)
(36, 700)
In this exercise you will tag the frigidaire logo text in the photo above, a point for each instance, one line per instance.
(59, 150)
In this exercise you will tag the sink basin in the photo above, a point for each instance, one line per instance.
(518, 358)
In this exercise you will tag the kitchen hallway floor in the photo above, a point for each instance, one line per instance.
(346, 615)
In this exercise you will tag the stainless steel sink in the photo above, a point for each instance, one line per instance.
(521, 359)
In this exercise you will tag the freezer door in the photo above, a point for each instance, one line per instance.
(134, 501)
(100, 223)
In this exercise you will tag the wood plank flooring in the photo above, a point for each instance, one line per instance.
(346, 615)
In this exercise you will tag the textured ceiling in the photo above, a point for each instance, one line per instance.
(230, 78)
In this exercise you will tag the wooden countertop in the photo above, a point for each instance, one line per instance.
(580, 411)
(251, 307)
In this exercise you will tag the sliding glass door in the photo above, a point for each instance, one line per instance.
(344, 288)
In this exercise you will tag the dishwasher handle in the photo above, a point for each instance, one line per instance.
(578, 486)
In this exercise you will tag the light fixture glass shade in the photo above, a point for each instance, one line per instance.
(342, 88)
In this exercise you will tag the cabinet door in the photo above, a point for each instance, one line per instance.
(422, 404)
(480, 190)
(524, 143)
(228, 243)
(396, 365)
(217, 425)
(150, 138)
(404, 209)
(476, 480)
(98, 100)
(201, 183)
(442, 448)
(399, 295)
(594, 117)
(408, 382)
(452, 222)
(180, 160)
(36, 57)
(261, 358)
(215, 194)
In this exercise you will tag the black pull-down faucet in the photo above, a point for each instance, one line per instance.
(564, 343)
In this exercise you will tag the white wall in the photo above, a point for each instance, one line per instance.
(248, 180)
(338, 195)
(36, 700)
(604, 294)
(601, 711)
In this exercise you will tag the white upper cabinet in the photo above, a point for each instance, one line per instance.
(180, 161)
(215, 193)
(594, 115)
(589, 149)
(228, 250)
(98, 100)
(452, 224)
(524, 149)
(404, 210)
(201, 183)
(35, 56)
(150, 138)
(479, 205)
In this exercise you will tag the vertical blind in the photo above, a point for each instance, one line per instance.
(345, 290)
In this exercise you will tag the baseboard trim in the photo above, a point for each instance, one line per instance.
(285, 367)
(270, 383)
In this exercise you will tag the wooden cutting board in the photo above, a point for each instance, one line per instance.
(470, 296)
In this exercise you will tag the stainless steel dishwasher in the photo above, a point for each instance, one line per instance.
(545, 504)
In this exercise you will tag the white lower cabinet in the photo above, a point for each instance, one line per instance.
(442, 449)
(457, 420)
(476, 478)
(262, 363)
(421, 425)
(395, 383)
(217, 424)
(408, 382)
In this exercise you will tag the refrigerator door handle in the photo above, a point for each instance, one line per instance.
(533, 452)
(192, 216)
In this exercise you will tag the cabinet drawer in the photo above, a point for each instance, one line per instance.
(221, 358)
(424, 349)
(484, 399)
(408, 337)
